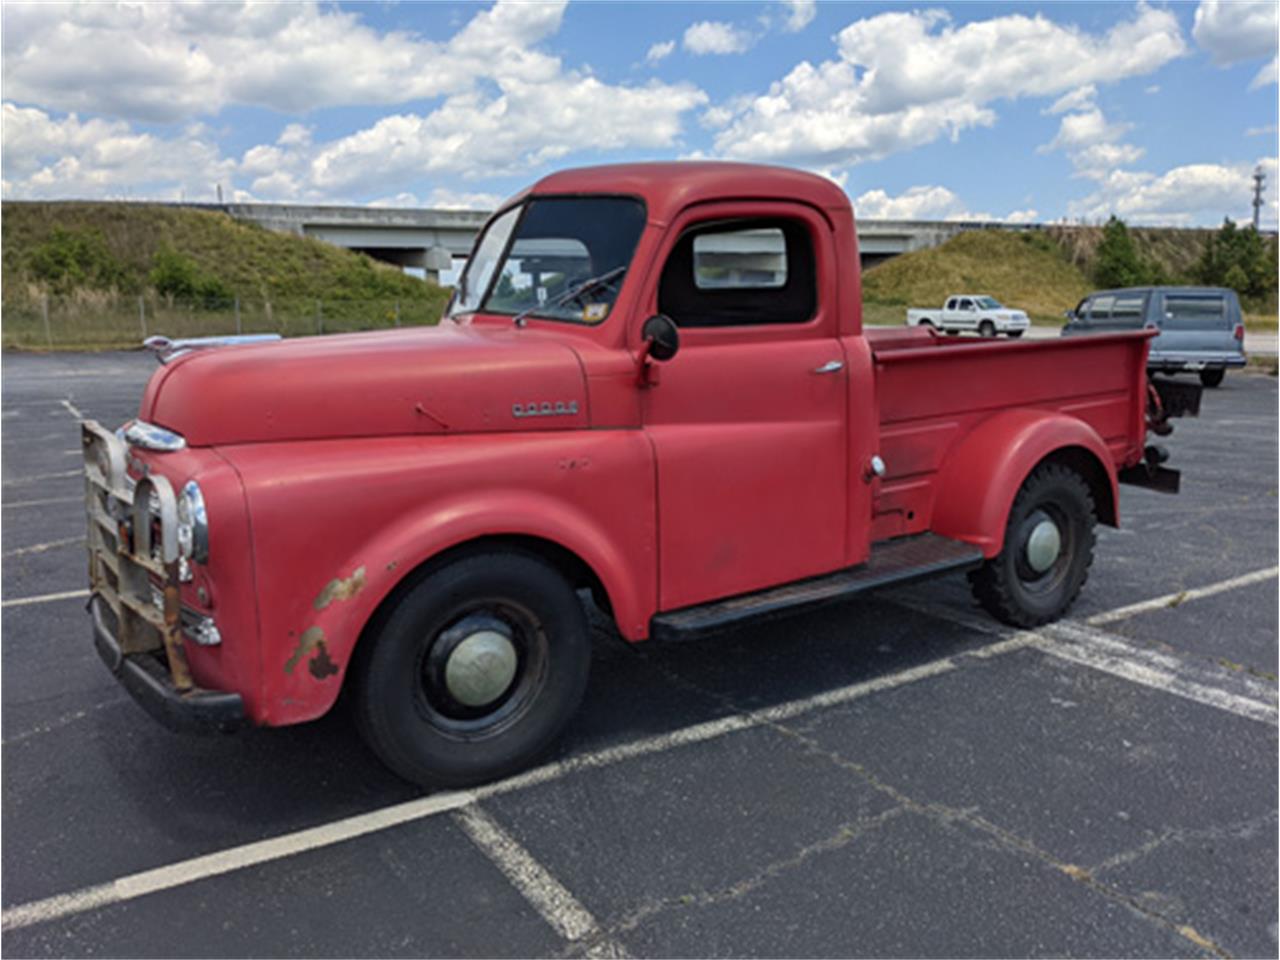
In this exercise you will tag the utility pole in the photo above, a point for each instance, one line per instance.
(1258, 178)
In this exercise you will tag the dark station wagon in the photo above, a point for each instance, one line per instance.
(1201, 329)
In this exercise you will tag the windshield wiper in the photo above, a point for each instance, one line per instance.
(586, 286)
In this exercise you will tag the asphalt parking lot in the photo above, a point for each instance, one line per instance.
(897, 776)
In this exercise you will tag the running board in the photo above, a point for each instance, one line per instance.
(892, 562)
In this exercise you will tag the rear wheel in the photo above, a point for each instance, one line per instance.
(928, 324)
(1048, 548)
(1213, 377)
(1014, 334)
(474, 672)
(986, 329)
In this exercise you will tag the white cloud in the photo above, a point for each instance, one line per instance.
(506, 107)
(1092, 142)
(1154, 88)
(70, 158)
(715, 36)
(1080, 98)
(1269, 130)
(660, 51)
(1238, 30)
(441, 198)
(1200, 193)
(902, 79)
(166, 62)
(800, 14)
(1267, 75)
(925, 203)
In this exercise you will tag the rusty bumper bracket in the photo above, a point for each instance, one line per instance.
(150, 683)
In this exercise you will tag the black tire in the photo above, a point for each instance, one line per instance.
(1014, 334)
(929, 325)
(986, 329)
(405, 708)
(1007, 586)
(1213, 377)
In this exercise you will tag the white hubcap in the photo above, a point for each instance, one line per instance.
(480, 668)
(1043, 546)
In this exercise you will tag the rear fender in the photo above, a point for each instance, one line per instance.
(981, 476)
(339, 614)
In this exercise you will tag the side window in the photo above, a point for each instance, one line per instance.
(1192, 311)
(966, 304)
(1100, 308)
(1127, 311)
(951, 304)
(740, 273)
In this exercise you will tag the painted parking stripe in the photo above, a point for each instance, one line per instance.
(46, 598)
(42, 503)
(558, 907)
(235, 858)
(1243, 695)
(1177, 599)
(72, 409)
(42, 547)
(1160, 675)
(38, 477)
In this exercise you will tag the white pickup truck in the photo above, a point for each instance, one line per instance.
(968, 312)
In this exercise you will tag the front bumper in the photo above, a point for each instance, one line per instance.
(147, 680)
(140, 627)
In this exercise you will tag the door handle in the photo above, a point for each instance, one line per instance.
(831, 366)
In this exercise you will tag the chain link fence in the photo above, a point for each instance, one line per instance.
(125, 321)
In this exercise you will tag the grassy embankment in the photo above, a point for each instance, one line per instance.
(107, 271)
(1044, 272)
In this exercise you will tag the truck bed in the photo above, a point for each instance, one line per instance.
(932, 391)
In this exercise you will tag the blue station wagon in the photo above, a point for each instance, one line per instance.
(1201, 329)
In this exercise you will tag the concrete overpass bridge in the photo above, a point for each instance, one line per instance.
(432, 240)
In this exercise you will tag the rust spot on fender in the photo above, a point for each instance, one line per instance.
(321, 666)
(312, 638)
(340, 589)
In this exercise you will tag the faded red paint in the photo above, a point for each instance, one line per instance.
(737, 470)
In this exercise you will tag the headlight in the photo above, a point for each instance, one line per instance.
(193, 524)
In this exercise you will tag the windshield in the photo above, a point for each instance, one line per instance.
(559, 243)
(988, 303)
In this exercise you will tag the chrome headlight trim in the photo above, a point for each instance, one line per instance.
(193, 524)
(150, 437)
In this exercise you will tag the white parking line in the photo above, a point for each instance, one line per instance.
(1177, 599)
(199, 868)
(553, 901)
(224, 861)
(42, 547)
(42, 503)
(46, 598)
(72, 409)
(1087, 646)
(1074, 642)
(44, 476)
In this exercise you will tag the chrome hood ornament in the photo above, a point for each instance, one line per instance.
(166, 349)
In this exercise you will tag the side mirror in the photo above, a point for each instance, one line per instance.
(662, 335)
(1069, 314)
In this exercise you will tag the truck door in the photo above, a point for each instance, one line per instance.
(747, 420)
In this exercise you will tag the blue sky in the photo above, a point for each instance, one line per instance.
(1156, 112)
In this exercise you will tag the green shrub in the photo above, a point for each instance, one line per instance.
(68, 259)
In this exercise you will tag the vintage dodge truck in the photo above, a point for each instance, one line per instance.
(652, 383)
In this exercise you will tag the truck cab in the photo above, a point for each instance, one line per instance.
(652, 383)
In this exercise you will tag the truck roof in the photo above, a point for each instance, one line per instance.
(668, 187)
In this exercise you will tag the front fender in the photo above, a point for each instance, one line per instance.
(982, 474)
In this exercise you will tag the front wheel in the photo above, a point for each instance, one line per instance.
(1014, 334)
(1048, 548)
(986, 329)
(1213, 377)
(474, 672)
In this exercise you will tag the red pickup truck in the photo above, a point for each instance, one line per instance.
(652, 383)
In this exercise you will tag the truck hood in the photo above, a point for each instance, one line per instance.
(429, 380)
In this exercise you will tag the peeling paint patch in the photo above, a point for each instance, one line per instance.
(321, 666)
(310, 640)
(340, 589)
